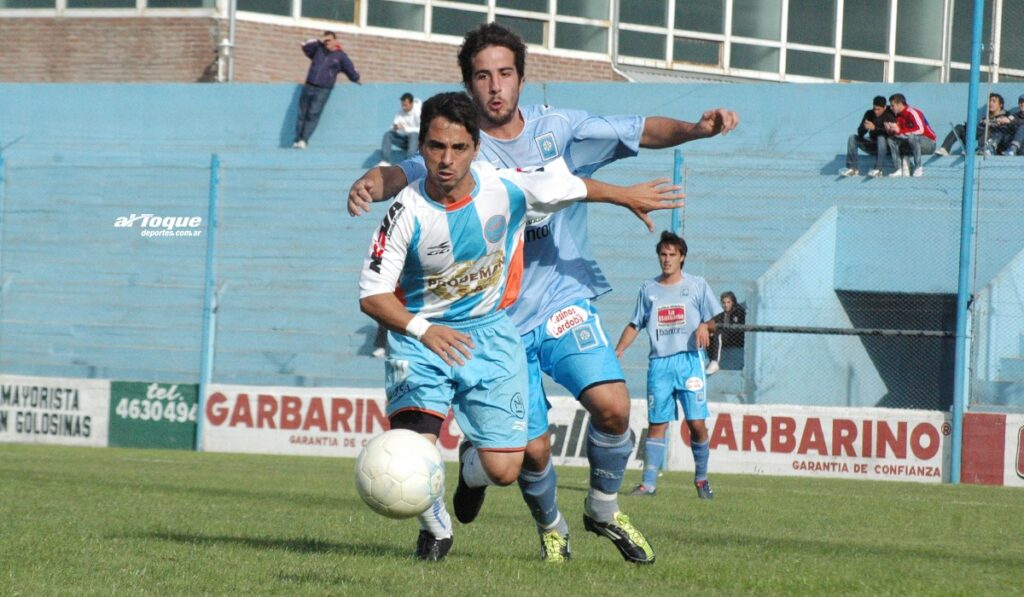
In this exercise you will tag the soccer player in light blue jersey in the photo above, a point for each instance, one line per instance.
(561, 328)
(677, 310)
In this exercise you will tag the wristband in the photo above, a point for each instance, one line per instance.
(417, 326)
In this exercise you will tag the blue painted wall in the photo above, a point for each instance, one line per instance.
(80, 297)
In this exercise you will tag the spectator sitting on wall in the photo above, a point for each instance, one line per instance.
(726, 351)
(876, 143)
(327, 59)
(910, 136)
(995, 130)
(1016, 118)
(404, 132)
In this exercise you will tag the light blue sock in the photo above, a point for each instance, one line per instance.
(540, 491)
(700, 460)
(608, 455)
(654, 455)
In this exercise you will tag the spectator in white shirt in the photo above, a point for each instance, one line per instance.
(404, 132)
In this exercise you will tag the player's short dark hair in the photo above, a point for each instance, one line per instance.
(407, 97)
(671, 238)
(331, 34)
(455, 107)
(491, 34)
(879, 101)
(898, 98)
(998, 97)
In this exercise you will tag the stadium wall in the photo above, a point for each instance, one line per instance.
(83, 297)
(184, 49)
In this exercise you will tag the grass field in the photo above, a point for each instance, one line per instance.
(117, 521)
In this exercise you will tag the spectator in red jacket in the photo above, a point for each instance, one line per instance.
(910, 135)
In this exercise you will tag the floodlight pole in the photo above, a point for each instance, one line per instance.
(961, 387)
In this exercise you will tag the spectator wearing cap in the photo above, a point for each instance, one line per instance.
(870, 138)
(1016, 117)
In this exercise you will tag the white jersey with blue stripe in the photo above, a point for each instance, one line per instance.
(671, 313)
(559, 266)
(463, 260)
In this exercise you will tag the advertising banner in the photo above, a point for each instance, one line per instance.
(54, 410)
(1013, 475)
(301, 421)
(153, 415)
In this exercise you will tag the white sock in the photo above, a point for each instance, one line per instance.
(473, 472)
(601, 506)
(436, 520)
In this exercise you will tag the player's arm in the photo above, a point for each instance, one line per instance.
(449, 344)
(661, 132)
(704, 332)
(377, 184)
(629, 333)
(640, 199)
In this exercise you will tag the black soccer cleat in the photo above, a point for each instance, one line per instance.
(704, 490)
(430, 548)
(630, 542)
(467, 500)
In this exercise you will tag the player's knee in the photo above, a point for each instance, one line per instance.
(537, 454)
(612, 418)
(505, 475)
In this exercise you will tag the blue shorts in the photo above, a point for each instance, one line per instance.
(486, 393)
(677, 377)
(571, 347)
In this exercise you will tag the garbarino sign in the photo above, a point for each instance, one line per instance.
(300, 421)
(54, 410)
(861, 443)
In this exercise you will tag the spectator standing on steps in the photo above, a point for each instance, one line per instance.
(327, 59)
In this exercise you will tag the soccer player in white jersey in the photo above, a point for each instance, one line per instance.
(678, 312)
(445, 263)
(560, 278)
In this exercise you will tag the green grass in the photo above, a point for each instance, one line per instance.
(117, 521)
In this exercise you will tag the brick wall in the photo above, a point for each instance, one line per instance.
(52, 50)
(140, 49)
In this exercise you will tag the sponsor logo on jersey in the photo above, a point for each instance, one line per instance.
(566, 319)
(672, 315)
(494, 229)
(440, 249)
(694, 384)
(464, 278)
(547, 146)
(380, 243)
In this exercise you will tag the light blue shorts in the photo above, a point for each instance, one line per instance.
(487, 393)
(679, 377)
(572, 348)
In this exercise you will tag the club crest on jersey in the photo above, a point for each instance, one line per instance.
(494, 229)
(565, 320)
(547, 146)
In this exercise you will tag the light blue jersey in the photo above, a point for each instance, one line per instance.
(559, 269)
(671, 313)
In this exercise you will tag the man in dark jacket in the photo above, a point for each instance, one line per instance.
(327, 60)
(872, 125)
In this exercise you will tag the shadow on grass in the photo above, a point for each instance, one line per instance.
(817, 547)
(300, 545)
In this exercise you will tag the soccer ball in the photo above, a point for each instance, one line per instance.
(399, 473)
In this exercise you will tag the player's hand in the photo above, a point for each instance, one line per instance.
(651, 196)
(703, 336)
(448, 344)
(717, 122)
(360, 197)
(868, 125)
